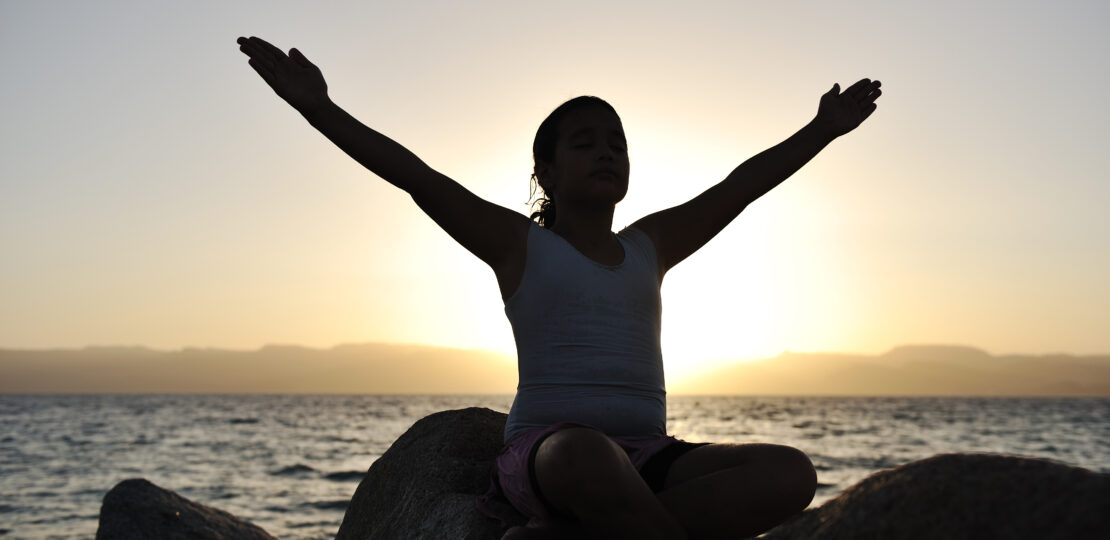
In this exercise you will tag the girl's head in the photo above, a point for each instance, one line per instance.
(581, 158)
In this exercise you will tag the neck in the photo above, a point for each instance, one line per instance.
(589, 227)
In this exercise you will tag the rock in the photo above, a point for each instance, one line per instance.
(973, 496)
(425, 485)
(137, 509)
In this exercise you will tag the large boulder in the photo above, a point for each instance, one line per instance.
(956, 496)
(425, 485)
(138, 510)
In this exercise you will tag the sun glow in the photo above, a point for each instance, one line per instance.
(707, 320)
(772, 281)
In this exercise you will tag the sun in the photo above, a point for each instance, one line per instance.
(713, 315)
(718, 304)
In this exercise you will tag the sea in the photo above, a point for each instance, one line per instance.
(290, 463)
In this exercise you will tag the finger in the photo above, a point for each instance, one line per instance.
(247, 47)
(299, 58)
(867, 111)
(256, 52)
(871, 91)
(261, 59)
(276, 52)
(855, 89)
(873, 95)
(276, 59)
(266, 73)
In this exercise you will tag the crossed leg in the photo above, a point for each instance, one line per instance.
(713, 491)
(737, 490)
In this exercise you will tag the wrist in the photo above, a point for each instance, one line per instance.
(821, 131)
(313, 108)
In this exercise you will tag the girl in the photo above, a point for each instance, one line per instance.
(586, 450)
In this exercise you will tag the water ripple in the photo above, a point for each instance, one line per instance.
(289, 462)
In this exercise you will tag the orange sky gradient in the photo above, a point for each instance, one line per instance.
(155, 192)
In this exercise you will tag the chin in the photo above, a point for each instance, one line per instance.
(613, 196)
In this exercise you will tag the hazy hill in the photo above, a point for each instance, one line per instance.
(373, 368)
(404, 369)
(912, 370)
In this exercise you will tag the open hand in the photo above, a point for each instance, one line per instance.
(840, 113)
(292, 76)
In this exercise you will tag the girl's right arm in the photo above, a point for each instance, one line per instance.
(492, 233)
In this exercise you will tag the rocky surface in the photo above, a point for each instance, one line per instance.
(139, 510)
(957, 496)
(425, 485)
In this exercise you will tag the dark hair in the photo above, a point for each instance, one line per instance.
(543, 150)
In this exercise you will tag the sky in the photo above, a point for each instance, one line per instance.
(154, 191)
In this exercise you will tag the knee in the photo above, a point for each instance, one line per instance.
(579, 467)
(575, 454)
(798, 477)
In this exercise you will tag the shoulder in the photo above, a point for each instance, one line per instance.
(510, 270)
(647, 227)
(643, 241)
(638, 236)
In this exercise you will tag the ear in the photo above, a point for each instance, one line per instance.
(542, 173)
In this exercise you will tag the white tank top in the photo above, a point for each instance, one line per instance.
(587, 338)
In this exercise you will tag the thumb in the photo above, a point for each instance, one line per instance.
(835, 89)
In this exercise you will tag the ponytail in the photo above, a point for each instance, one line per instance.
(545, 214)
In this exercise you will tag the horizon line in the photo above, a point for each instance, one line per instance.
(513, 353)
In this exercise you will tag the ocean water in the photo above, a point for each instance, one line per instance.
(290, 463)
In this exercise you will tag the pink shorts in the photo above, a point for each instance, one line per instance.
(513, 474)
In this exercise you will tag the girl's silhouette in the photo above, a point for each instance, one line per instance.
(586, 449)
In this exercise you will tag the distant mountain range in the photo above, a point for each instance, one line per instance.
(378, 368)
(371, 368)
(911, 370)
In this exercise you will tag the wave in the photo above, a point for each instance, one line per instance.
(293, 470)
(306, 524)
(345, 476)
(328, 505)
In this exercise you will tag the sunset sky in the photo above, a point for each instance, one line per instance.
(154, 191)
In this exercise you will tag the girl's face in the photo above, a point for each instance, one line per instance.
(591, 159)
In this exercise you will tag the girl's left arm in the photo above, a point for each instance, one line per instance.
(680, 231)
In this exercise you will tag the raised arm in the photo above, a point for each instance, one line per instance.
(491, 232)
(680, 231)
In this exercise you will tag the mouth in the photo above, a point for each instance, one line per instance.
(605, 173)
